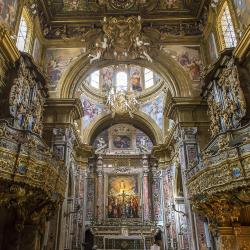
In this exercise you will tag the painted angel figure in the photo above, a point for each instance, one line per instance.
(109, 101)
(142, 47)
(100, 48)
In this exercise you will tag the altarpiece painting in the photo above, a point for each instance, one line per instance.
(123, 196)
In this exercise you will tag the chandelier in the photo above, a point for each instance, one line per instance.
(122, 102)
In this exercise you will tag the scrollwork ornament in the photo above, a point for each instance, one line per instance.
(122, 4)
(226, 101)
(26, 101)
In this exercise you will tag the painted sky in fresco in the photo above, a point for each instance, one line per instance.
(154, 109)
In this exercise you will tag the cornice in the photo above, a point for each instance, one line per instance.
(183, 102)
(242, 49)
(70, 106)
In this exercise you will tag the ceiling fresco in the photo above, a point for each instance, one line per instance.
(73, 7)
(79, 19)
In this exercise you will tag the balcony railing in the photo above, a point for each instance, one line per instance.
(224, 164)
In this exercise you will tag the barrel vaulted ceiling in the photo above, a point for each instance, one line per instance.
(72, 17)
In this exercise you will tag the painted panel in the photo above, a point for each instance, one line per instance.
(188, 57)
(122, 141)
(8, 11)
(155, 110)
(107, 78)
(123, 196)
(135, 78)
(58, 61)
(91, 110)
(243, 12)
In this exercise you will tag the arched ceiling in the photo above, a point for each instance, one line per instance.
(74, 18)
(139, 121)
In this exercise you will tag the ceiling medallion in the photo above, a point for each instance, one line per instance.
(122, 4)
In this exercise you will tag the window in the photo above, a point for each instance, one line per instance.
(94, 79)
(227, 28)
(22, 34)
(149, 78)
(121, 81)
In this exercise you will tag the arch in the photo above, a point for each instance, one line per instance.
(140, 121)
(178, 80)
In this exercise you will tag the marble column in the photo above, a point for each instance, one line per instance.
(146, 198)
(188, 154)
(157, 194)
(100, 190)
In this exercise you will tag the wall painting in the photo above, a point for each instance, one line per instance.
(91, 110)
(188, 57)
(243, 12)
(8, 11)
(123, 196)
(155, 110)
(58, 61)
(135, 78)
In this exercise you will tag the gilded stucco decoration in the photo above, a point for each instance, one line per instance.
(119, 4)
(31, 173)
(26, 101)
(122, 39)
(121, 103)
(226, 101)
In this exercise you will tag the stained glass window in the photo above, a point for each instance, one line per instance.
(227, 28)
(22, 35)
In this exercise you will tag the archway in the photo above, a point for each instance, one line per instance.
(140, 121)
(178, 81)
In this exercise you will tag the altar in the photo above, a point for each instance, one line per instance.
(118, 242)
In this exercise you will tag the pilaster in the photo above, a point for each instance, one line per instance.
(146, 194)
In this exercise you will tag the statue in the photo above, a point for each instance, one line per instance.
(142, 49)
(99, 50)
(101, 142)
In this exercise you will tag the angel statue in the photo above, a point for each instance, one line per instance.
(100, 48)
(142, 47)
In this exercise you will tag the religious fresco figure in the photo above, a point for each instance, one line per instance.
(123, 197)
(8, 10)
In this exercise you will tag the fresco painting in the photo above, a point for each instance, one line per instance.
(123, 196)
(59, 60)
(243, 12)
(155, 110)
(122, 141)
(188, 57)
(107, 79)
(135, 78)
(91, 110)
(8, 11)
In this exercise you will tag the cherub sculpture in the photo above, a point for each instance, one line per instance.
(100, 48)
(142, 49)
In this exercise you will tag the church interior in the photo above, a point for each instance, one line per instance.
(124, 124)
